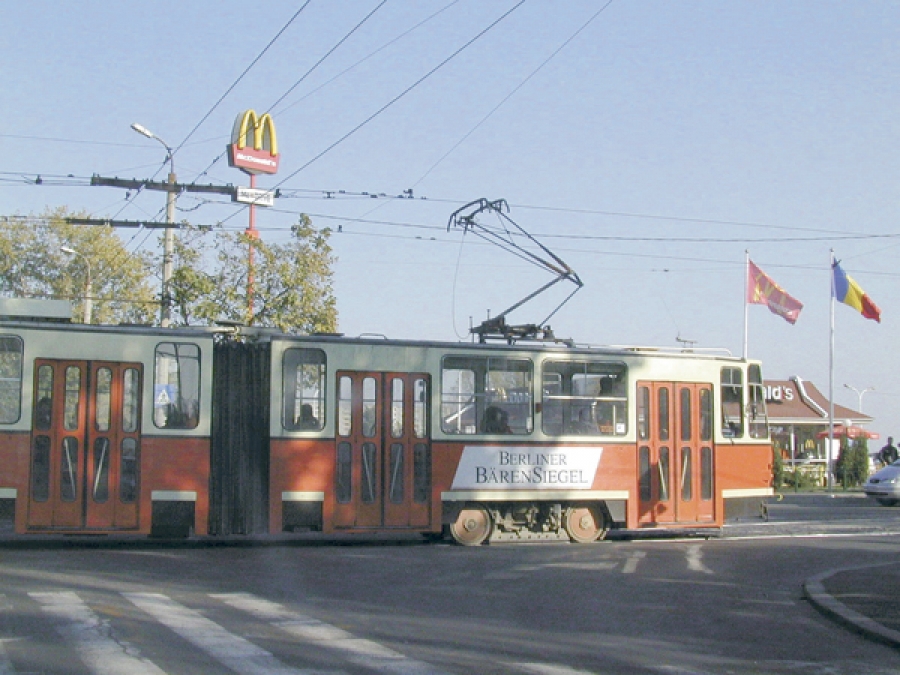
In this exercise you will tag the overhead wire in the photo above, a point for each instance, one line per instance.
(513, 92)
(403, 93)
(346, 37)
(368, 56)
(243, 74)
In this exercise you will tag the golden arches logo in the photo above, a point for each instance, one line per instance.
(254, 145)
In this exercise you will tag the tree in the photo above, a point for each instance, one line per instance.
(33, 265)
(852, 465)
(292, 283)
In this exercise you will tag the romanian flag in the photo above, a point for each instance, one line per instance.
(761, 290)
(848, 291)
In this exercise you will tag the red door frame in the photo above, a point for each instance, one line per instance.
(77, 459)
(378, 448)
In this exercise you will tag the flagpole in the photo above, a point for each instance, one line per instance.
(746, 293)
(831, 382)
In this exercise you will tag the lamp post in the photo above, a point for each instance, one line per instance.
(165, 312)
(859, 394)
(88, 286)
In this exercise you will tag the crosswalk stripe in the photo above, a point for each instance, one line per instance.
(232, 651)
(92, 637)
(357, 650)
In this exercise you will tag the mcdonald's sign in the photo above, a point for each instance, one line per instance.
(253, 148)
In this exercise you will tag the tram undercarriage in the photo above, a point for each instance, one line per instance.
(472, 524)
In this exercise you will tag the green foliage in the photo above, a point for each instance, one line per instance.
(32, 265)
(292, 282)
(799, 479)
(852, 465)
(777, 468)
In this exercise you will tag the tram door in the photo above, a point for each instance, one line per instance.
(675, 453)
(85, 445)
(383, 452)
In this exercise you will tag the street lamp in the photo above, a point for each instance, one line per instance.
(88, 303)
(165, 313)
(859, 394)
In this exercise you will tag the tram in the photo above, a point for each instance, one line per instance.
(178, 432)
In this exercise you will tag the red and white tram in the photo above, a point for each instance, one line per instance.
(178, 432)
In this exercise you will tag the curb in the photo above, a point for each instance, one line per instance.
(822, 600)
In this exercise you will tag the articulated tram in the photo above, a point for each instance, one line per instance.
(242, 431)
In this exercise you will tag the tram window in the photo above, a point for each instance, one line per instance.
(40, 469)
(758, 418)
(100, 486)
(343, 489)
(72, 398)
(687, 433)
(10, 379)
(421, 473)
(370, 407)
(706, 415)
(584, 398)
(486, 395)
(131, 397)
(732, 396)
(103, 399)
(662, 413)
(687, 486)
(644, 468)
(663, 470)
(706, 473)
(345, 403)
(68, 474)
(396, 408)
(395, 489)
(43, 413)
(176, 390)
(304, 375)
(643, 413)
(128, 471)
(420, 408)
(369, 478)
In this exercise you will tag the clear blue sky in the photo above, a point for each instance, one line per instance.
(661, 142)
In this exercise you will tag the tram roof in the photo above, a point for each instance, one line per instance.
(262, 334)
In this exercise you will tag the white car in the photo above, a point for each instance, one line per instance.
(884, 485)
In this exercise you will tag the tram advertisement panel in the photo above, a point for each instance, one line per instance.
(526, 467)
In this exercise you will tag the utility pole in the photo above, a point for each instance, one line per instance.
(165, 312)
(170, 187)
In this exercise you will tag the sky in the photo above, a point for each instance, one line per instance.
(650, 144)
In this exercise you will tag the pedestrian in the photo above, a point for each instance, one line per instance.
(888, 453)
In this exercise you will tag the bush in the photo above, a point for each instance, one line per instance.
(852, 465)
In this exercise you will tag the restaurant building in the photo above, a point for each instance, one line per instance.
(798, 411)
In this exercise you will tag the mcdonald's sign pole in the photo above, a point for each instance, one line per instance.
(253, 150)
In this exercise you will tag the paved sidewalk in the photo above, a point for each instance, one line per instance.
(864, 599)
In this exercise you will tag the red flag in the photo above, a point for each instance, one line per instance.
(761, 290)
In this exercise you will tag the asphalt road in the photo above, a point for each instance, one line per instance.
(732, 604)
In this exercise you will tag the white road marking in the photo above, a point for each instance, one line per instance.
(232, 651)
(631, 564)
(548, 669)
(357, 650)
(92, 638)
(694, 559)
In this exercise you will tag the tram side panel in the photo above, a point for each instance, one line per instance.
(14, 463)
(104, 430)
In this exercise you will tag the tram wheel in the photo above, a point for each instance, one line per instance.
(472, 526)
(584, 523)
